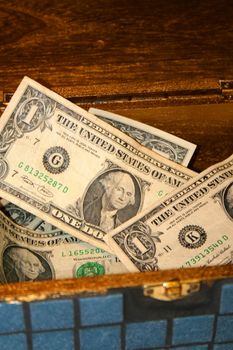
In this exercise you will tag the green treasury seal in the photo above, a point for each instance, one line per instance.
(89, 269)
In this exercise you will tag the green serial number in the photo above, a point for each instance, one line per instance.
(83, 252)
(195, 259)
(43, 177)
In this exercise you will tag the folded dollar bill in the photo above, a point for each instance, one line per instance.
(75, 171)
(192, 226)
(168, 145)
(32, 250)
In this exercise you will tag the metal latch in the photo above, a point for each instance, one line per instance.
(171, 290)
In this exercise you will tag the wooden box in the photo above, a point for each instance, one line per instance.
(168, 65)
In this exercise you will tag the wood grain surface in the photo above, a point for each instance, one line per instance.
(85, 43)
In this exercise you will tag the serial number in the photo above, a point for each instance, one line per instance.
(43, 177)
(83, 252)
(194, 260)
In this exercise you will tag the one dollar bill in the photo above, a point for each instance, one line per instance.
(168, 145)
(191, 227)
(32, 249)
(73, 170)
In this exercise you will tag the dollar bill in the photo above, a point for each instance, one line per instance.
(32, 249)
(72, 169)
(168, 145)
(193, 226)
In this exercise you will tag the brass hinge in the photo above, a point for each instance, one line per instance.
(226, 87)
(171, 290)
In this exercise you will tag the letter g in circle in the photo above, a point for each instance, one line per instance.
(56, 160)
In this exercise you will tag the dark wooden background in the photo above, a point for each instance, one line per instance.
(127, 50)
(95, 42)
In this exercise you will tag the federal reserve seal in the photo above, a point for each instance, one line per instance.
(56, 160)
(192, 236)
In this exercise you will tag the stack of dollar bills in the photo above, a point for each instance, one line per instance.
(93, 193)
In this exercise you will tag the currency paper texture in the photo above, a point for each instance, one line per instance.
(193, 226)
(168, 145)
(32, 249)
(73, 170)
